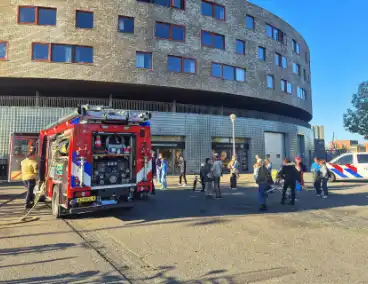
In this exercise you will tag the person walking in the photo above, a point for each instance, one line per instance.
(324, 176)
(202, 175)
(217, 173)
(208, 178)
(234, 172)
(164, 167)
(301, 169)
(315, 169)
(183, 169)
(29, 171)
(158, 168)
(290, 175)
(262, 176)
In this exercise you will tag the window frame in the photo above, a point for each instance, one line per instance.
(243, 42)
(48, 55)
(85, 11)
(170, 31)
(222, 72)
(143, 52)
(125, 17)
(182, 58)
(37, 15)
(294, 45)
(298, 69)
(343, 157)
(171, 4)
(303, 93)
(362, 155)
(273, 81)
(6, 50)
(264, 53)
(281, 39)
(280, 59)
(213, 40)
(73, 46)
(287, 83)
(213, 4)
(254, 22)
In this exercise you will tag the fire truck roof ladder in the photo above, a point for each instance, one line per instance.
(87, 113)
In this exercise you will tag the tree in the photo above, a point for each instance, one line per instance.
(356, 119)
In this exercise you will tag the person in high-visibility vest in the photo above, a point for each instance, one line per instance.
(29, 170)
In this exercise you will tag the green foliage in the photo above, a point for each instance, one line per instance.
(356, 119)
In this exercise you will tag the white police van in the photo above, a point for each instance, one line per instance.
(349, 166)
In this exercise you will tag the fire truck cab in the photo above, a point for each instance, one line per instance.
(95, 158)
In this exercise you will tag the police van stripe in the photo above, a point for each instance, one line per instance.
(350, 171)
(338, 173)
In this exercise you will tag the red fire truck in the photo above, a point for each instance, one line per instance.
(95, 158)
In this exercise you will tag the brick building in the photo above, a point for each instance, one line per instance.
(191, 62)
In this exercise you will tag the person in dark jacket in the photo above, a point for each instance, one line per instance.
(208, 178)
(290, 175)
(183, 169)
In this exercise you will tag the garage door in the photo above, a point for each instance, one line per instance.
(275, 148)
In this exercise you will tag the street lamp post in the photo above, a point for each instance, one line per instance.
(233, 117)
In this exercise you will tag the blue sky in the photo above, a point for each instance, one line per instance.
(336, 33)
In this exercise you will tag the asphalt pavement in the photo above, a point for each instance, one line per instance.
(179, 236)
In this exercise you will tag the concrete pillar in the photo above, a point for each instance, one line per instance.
(173, 106)
(110, 100)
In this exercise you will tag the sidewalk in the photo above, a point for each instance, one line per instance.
(46, 250)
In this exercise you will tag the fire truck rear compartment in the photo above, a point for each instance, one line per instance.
(113, 166)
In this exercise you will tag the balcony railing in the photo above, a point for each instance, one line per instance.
(60, 102)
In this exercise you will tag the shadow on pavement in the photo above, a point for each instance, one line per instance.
(36, 249)
(35, 262)
(219, 276)
(83, 277)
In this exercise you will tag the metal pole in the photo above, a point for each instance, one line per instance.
(233, 117)
(233, 137)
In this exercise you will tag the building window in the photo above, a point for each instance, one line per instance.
(296, 68)
(270, 82)
(275, 33)
(170, 31)
(213, 40)
(261, 53)
(181, 64)
(213, 10)
(250, 22)
(41, 52)
(305, 74)
(280, 60)
(51, 52)
(84, 20)
(306, 57)
(240, 46)
(126, 25)
(37, 15)
(295, 46)
(228, 72)
(286, 86)
(178, 4)
(3, 50)
(71, 53)
(143, 60)
(302, 94)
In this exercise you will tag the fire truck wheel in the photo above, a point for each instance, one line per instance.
(55, 205)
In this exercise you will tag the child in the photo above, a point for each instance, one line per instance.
(324, 177)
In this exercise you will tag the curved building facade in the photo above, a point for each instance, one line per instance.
(193, 62)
